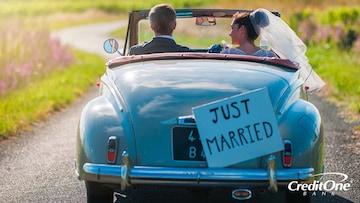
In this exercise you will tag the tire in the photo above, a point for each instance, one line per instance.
(96, 193)
(297, 197)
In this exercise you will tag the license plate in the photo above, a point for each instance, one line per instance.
(187, 145)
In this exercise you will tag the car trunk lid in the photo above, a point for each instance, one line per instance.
(159, 93)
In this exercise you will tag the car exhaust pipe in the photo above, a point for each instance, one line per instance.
(241, 194)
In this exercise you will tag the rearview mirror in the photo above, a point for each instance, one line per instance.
(205, 21)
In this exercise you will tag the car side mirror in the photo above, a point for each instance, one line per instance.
(205, 21)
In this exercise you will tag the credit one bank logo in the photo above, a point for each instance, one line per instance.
(337, 182)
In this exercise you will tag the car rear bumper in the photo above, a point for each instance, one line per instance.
(207, 177)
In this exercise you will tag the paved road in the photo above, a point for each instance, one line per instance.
(38, 166)
(91, 38)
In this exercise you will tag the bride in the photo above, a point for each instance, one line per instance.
(286, 44)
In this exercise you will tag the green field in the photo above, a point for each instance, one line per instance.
(26, 105)
(330, 28)
(45, 7)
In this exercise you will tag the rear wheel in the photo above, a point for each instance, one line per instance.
(297, 197)
(97, 193)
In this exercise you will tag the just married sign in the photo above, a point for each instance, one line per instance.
(238, 128)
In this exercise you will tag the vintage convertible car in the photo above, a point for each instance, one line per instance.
(199, 119)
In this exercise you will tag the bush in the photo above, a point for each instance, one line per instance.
(338, 26)
(20, 108)
(28, 55)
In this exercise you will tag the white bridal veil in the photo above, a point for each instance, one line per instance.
(284, 42)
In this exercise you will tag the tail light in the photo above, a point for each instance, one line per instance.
(112, 148)
(287, 153)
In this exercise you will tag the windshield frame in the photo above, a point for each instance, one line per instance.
(132, 34)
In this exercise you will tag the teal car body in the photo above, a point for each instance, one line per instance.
(136, 132)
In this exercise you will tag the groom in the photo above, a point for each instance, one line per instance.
(163, 23)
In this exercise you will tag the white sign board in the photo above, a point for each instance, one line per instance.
(238, 128)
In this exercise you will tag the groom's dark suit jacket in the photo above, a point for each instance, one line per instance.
(158, 45)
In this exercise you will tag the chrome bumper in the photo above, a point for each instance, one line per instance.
(227, 177)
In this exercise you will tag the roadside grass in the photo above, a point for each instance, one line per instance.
(45, 7)
(26, 105)
(56, 21)
(37, 100)
(33, 98)
(341, 71)
(28, 54)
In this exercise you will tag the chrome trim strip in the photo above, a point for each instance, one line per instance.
(186, 120)
(115, 174)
